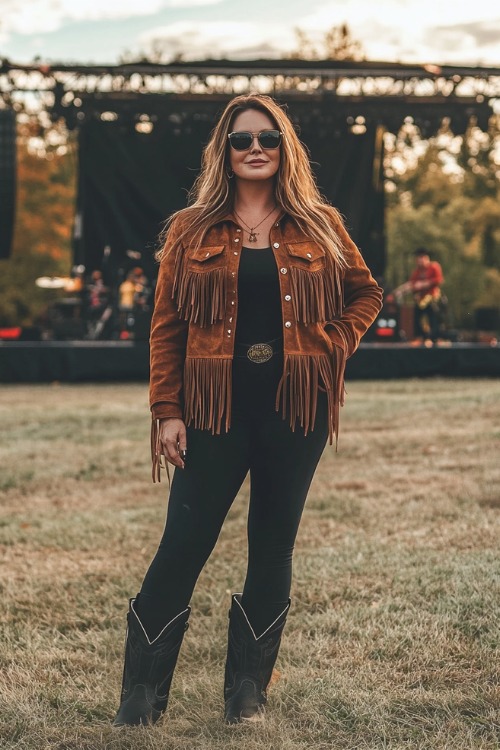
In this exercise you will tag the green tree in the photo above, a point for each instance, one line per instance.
(477, 157)
(451, 207)
(337, 43)
(46, 189)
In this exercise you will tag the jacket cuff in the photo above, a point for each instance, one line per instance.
(166, 409)
(338, 336)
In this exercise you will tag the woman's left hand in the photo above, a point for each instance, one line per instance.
(173, 440)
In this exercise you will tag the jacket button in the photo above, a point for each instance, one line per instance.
(283, 270)
(233, 273)
(232, 301)
(206, 256)
(287, 297)
(288, 324)
(238, 230)
(236, 239)
(276, 245)
(230, 320)
(228, 331)
(309, 255)
(235, 253)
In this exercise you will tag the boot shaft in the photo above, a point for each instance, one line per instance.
(148, 668)
(250, 662)
(152, 661)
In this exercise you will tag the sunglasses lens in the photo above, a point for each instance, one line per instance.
(270, 139)
(241, 141)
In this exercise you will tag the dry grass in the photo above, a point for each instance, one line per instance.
(392, 640)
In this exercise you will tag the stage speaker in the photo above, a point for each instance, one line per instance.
(7, 179)
(488, 318)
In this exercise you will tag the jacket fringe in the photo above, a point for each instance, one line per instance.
(298, 389)
(156, 454)
(208, 392)
(200, 295)
(317, 295)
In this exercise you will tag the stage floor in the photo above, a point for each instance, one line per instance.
(80, 361)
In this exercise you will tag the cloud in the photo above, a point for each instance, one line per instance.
(190, 3)
(481, 33)
(217, 39)
(411, 30)
(381, 37)
(43, 16)
(402, 30)
(403, 14)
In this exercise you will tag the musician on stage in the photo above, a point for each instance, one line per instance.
(425, 283)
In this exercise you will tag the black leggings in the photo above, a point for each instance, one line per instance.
(281, 462)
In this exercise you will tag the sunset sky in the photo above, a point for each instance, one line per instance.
(92, 31)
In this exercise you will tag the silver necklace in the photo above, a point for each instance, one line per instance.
(252, 235)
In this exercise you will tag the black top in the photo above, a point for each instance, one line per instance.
(259, 304)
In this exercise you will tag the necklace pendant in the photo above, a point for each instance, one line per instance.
(252, 237)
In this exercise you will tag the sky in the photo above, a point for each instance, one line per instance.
(93, 31)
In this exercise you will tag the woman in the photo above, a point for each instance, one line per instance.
(261, 297)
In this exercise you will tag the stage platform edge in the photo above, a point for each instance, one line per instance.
(97, 361)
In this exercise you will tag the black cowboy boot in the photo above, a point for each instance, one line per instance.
(249, 664)
(148, 669)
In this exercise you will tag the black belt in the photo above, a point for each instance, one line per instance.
(260, 352)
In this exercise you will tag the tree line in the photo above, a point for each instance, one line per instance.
(447, 200)
(45, 207)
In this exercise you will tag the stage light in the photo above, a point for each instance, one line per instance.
(144, 127)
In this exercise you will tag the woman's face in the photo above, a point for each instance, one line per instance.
(256, 163)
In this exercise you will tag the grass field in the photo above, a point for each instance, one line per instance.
(393, 636)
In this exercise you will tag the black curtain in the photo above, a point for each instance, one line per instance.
(129, 182)
(349, 171)
(7, 180)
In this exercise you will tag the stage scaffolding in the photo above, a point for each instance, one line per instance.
(381, 92)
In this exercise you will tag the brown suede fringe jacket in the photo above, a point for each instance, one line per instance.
(326, 310)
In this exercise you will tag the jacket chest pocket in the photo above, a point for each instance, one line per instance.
(206, 258)
(201, 285)
(307, 256)
(315, 293)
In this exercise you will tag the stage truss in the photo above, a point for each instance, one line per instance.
(375, 92)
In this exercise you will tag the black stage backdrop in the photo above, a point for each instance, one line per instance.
(7, 180)
(129, 182)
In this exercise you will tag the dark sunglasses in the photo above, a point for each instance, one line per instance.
(241, 140)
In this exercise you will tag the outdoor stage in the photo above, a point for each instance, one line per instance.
(80, 361)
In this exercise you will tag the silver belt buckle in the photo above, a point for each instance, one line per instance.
(259, 353)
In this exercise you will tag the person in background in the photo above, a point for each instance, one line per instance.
(425, 283)
(261, 298)
(142, 289)
(97, 293)
(127, 291)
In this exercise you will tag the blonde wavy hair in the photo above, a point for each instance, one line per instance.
(296, 192)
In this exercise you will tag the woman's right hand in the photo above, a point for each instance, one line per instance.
(173, 440)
